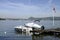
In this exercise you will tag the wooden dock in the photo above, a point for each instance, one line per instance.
(48, 31)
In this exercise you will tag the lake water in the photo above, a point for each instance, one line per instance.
(7, 31)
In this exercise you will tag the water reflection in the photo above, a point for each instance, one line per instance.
(29, 36)
(39, 37)
(24, 33)
(45, 37)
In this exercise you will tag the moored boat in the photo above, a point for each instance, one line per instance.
(29, 27)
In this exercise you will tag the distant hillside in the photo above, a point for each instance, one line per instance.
(51, 18)
(12, 19)
(45, 18)
(32, 18)
(2, 19)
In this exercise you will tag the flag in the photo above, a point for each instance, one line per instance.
(54, 9)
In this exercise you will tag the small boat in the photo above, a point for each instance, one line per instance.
(28, 27)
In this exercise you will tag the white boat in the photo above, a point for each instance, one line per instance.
(28, 27)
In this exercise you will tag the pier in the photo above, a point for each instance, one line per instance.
(46, 31)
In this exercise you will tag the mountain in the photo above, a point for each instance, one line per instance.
(45, 18)
(32, 18)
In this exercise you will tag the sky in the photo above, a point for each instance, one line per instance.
(28, 8)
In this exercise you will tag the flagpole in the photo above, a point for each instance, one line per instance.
(53, 18)
(54, 11)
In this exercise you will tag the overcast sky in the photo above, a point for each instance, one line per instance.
(28, 8)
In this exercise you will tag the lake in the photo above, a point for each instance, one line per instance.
(7, 31)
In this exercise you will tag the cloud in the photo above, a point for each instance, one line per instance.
(17, 9)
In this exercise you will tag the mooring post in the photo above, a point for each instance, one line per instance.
(33, 31)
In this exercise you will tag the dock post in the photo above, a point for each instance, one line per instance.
(33, 30)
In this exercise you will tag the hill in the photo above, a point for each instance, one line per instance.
(45, 18)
